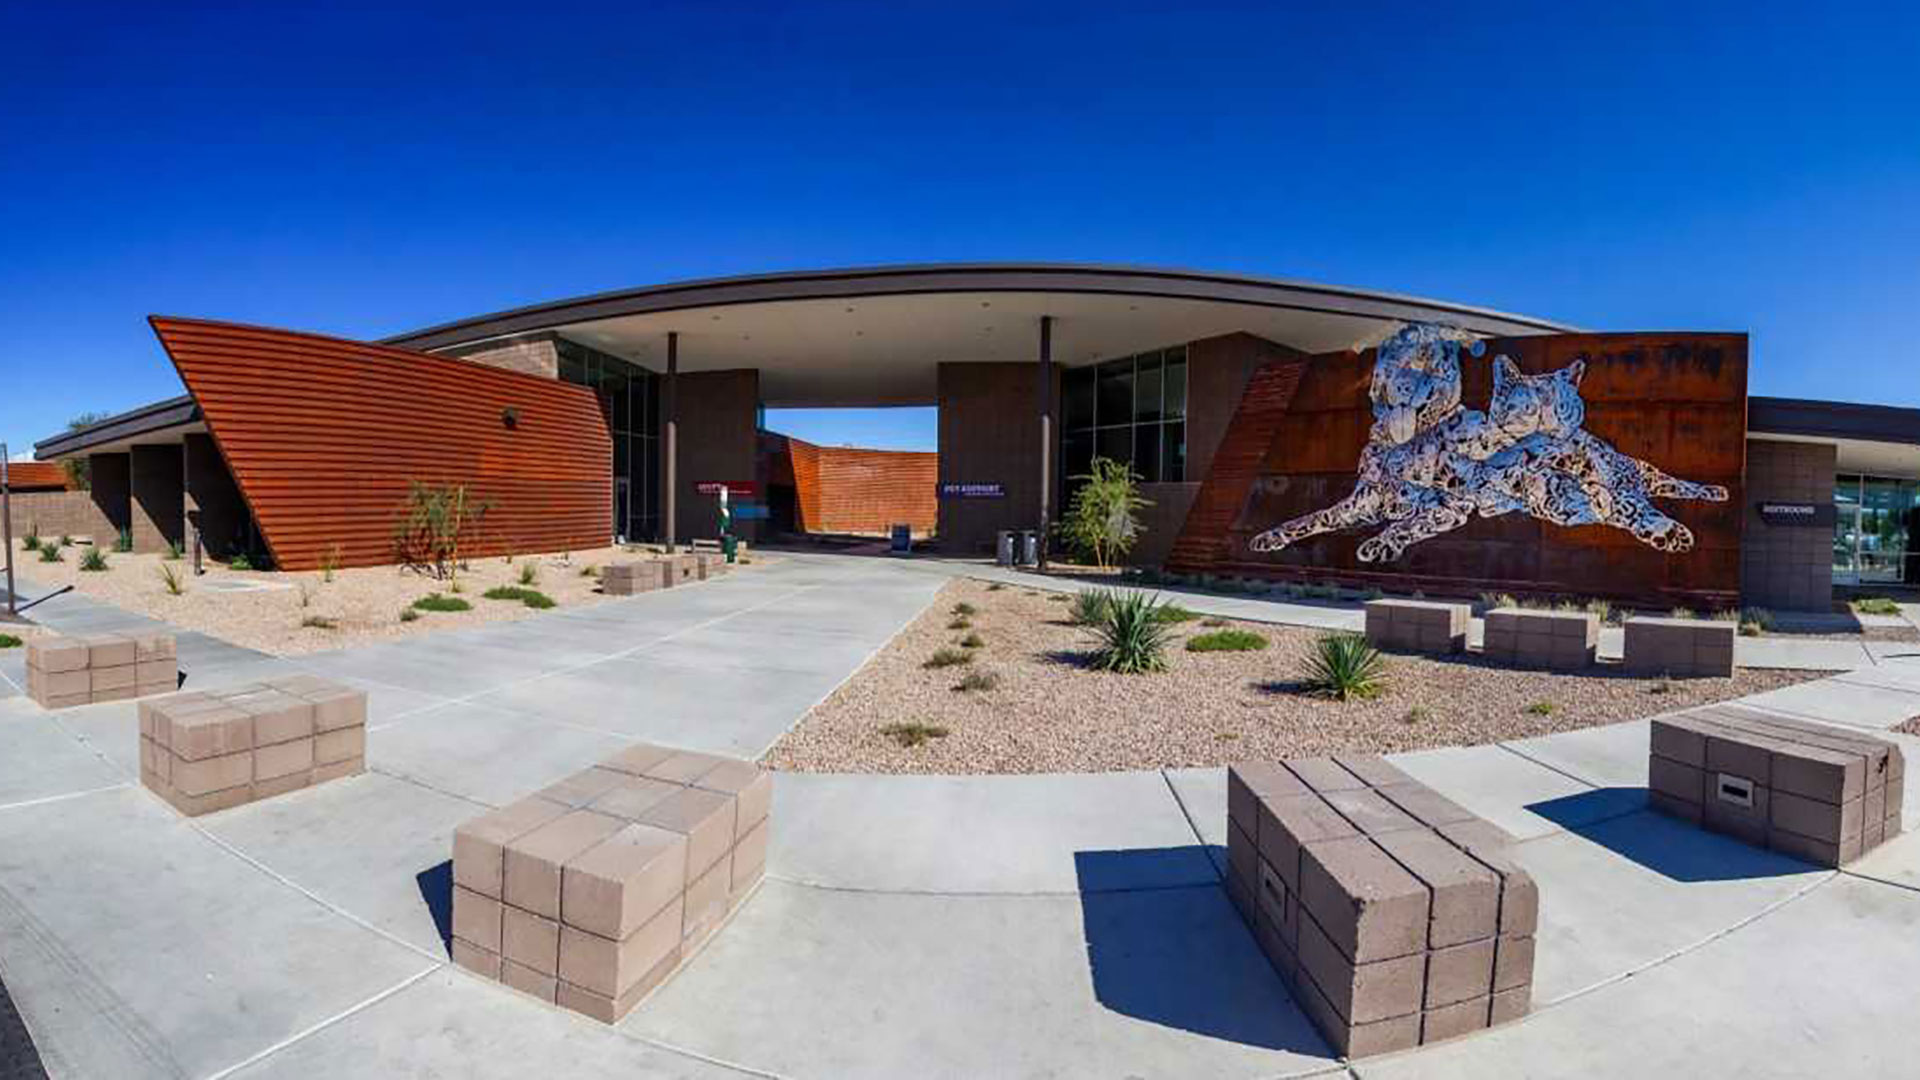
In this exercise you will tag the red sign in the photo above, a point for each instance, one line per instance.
(736, 489)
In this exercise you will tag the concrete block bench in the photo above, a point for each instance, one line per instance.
(1417, 626)
(710, 564)
(682, 568)
(203, 751)
(592, 892)
(1396, 917)
(1812, 791)
(66, 671)
(1684, 648)
(1529, 637)
(627, 579)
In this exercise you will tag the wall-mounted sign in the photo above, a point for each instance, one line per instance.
(736, 489)
(995, 490)
(750, 512)
(1808, 515)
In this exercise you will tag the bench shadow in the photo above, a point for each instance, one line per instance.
(1165, 945)
(1668, 846)
(436, 891)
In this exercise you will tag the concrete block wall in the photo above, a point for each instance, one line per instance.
(1788, 567)
(531, 356)
(53, 514)
(112, 481)
(212, 502)
(156, 500)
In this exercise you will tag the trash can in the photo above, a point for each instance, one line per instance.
(902, 539)
(1029, 548)
(730, 547)
(1004, 548)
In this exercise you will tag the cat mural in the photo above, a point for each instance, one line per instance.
(1431, 465)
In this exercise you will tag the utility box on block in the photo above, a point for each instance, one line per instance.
(1816, 792)
(592, 892)
(1396, 917)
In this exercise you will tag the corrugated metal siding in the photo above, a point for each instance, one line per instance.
(323, 436)
(36, 476)
(844, 489)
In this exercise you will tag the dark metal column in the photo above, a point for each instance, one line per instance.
(6, 525)
(671, 402)
(1046, 435)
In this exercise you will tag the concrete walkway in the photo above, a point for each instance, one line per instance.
(928, 926)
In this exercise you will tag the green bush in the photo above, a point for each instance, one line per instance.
(1090, 606)
(435, 523)
(533, 598)
(1174, 613)
(10, 641)
(1344, 667)
(31, 541)
(1102, 522)
(94, 560)
(960, 624)
(1226, 641)
(240, 561)
(964, 609)
(1541, 708)
(1876, 605)
(972, 641)
(437, 602)
(948, 658)
(913, 734)
(978, 680)
(407, 614)
(50, 553)
(1133, 636)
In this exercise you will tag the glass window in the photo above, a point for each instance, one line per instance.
(1146, 453)
(1076, 393)
(1146, 390)
(1173, 458)
(1115, 397)
(1115, 443)
(1176, 396)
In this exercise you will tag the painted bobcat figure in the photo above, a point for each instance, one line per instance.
(1430, 466)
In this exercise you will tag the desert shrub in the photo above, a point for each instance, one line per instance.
(10, 641)
(1090, 606)
(960, 624)
(437, 602)
(1133, 636)
(1102, 522)
(1755, 621)
(972, 641)
(67, 541)
(996, 587)
(1417, 714)
(948, 658)
(978, 680)
(1226, 641)
(31, 541)
(589, 571)
(122, 543)
(1876, 605)
(319, 622)
(533, 598)
(1373, 593)
(1490, 601)
(171, 578)
(1174, 613)
(529, 574)
(240, 561)
(1683, 613)
(964, 609)
(174, 550)
(1343, 666)
(1600, 608)
(94, 560)
(407, 614)
(1664, 686)
(1213, 621)
(914, 733)
(330, 563)
(50, 553)
(435, 522)
(1541, 708)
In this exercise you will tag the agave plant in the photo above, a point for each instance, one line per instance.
(1133, 636)
(1345, 667)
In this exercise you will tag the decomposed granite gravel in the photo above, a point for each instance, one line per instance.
(1046, 712)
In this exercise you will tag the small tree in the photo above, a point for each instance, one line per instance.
(434, 523)
(1103, 522)
(79, 475)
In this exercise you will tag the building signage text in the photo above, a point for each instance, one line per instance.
(994, 490)
(1809, 515)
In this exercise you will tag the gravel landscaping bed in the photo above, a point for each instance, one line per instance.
(1048, 713)
(287, 614)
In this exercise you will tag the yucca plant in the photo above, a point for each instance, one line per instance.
(1343, 666)
(94, 560)
(31, 541)
(50, 553)
(172, 580)
(1090, 606)
(1133, 636)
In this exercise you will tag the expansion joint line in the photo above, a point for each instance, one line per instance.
(322, 1025)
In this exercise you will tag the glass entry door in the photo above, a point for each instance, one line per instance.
(1874, 517)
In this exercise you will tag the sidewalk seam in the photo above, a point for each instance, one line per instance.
(324, 1024)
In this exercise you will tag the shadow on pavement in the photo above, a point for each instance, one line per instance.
(1667, 846)
(1179, 956)
(436, 891)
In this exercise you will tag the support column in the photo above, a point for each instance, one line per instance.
(110, 478)
(156, 484)
(670, 400)
(1046, 436)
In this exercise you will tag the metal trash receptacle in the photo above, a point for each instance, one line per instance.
(1004, 548)
(730, 547)
(1029, 548)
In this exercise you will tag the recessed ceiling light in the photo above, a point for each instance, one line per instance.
(985, 303)
(716, 318)
(849, 311)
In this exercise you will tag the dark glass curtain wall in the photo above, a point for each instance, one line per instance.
(630, 397)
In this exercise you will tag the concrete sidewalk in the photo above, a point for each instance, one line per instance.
(932, 926)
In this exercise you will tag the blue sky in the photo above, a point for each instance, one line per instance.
(362, 170)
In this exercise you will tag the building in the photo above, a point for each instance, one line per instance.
(1279, 428)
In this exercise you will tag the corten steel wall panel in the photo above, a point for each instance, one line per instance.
(36, 476)
(1676, 400)
(844, 489)
(1218, 369)
(322, 436)
(1264, 407)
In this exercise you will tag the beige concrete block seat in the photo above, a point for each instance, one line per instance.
(1533, 638)
(207, 750)
(1421, 626)
(710, 564)
(1684, 648)
(592, 892)
(629, 578)
(66, 671)
(1396, 917)
(1812, 791)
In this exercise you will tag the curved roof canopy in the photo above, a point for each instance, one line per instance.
(873, 336)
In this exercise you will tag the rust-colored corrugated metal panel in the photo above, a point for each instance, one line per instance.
(36, 476)
(323, 436)
(845, 489)
(1203, 540)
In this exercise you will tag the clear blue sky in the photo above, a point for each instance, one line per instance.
(364, 169)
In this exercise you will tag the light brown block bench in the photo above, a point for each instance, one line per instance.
(1816, 792)
(1395, 916)
(1684, 648)
(629, 578)
(592, 892)
(1421, 626)
(66, 671)
(208, 750)
(1529, 637)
